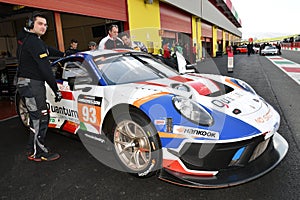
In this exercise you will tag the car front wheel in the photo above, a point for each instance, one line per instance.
(136, 144)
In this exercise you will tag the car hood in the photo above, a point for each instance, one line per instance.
(218, 94)
(212, 91)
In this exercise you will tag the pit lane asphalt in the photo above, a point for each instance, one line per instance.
(77, 175)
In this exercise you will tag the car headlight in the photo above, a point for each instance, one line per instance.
(192, 111)
(245, 86)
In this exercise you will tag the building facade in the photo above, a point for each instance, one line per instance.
(207, 25)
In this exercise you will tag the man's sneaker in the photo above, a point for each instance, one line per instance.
(30, 155)
(46, 157)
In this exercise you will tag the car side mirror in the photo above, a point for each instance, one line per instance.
(183, 67)
(181, 63)
(191, 66)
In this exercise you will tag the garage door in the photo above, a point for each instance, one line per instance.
(219, 34)
(112, 9)
(206, 30)
(174, 19)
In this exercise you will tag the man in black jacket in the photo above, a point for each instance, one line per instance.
(33, 71)
(72, 48)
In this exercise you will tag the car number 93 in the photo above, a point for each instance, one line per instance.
(89, 109)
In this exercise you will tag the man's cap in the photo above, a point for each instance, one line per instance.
(92, 43)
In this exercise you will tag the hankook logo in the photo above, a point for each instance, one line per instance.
(196, 132)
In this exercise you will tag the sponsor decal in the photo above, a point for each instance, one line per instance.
(160, 122)
(196, 132)
(63, 111)
(225, 101)
(94, 138)
(91, 100)
(266, 117)
(148, 170)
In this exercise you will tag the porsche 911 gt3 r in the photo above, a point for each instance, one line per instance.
(197, 130)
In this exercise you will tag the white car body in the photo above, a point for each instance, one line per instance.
(269, 50)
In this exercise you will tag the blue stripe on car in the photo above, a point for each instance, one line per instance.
(227, 126)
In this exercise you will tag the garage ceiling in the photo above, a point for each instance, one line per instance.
(9, 11)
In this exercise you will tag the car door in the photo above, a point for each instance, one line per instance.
(79, 105)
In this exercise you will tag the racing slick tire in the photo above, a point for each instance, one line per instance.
(22, 111)
(136, 144)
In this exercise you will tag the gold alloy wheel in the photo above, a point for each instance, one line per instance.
(132, 145)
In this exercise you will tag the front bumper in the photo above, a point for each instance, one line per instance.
(271, 157)
(269, 53)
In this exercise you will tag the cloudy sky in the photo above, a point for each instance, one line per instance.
(268, 18)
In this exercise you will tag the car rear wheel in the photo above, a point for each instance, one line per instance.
(136, 144)
(22, 111)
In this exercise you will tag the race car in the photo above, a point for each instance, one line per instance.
(269, 50)
(138, 115)
(241, 49)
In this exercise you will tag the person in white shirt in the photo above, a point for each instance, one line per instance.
(111, 41)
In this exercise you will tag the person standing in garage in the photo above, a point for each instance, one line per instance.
(111, 41)
(73, 48)
(33, 71)
(92, 45)
(128, 43)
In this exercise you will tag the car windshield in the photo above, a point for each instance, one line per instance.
(131, 67)
(270, 47)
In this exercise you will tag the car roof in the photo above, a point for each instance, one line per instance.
(100, 52)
